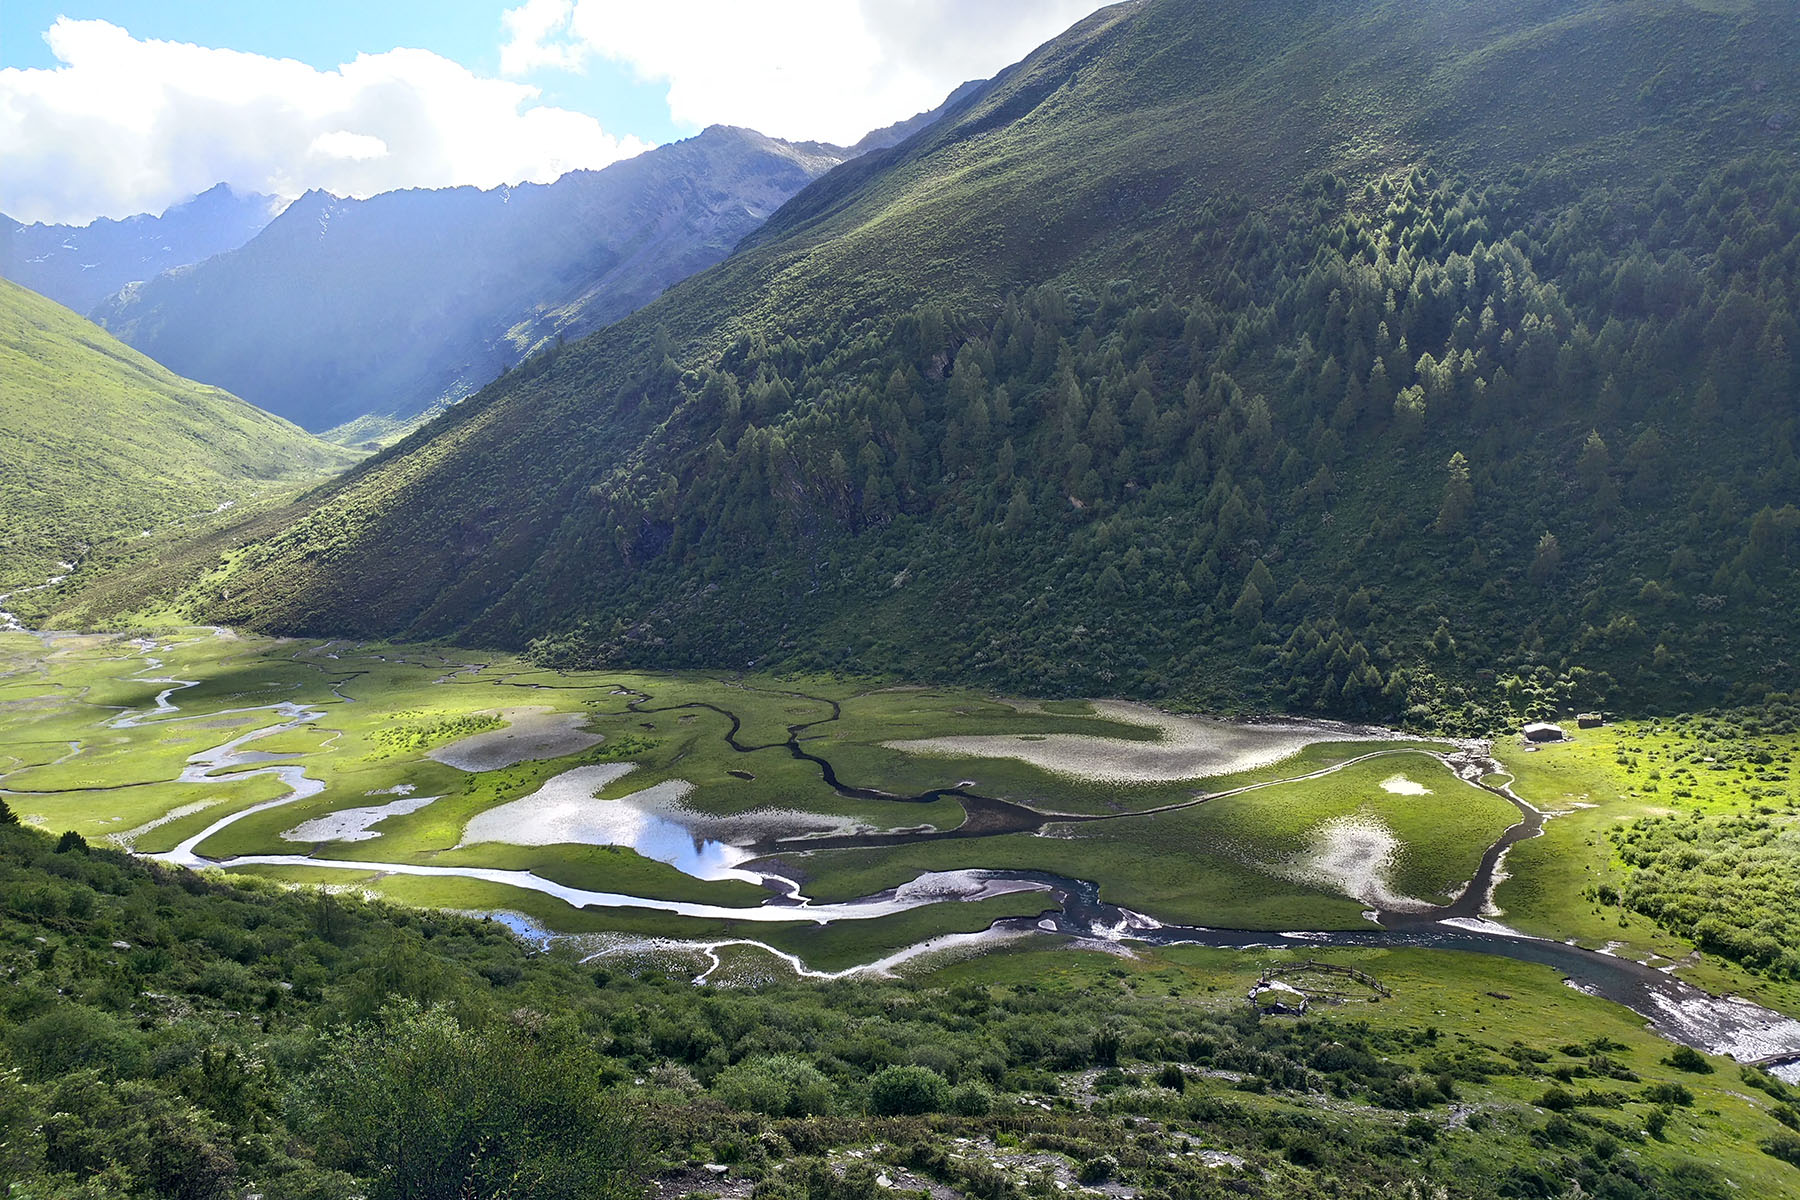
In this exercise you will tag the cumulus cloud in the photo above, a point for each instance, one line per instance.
(537, 37)
(825, 69)
(123, 126)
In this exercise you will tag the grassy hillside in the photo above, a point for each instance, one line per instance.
(103, 443)
(1384, 359)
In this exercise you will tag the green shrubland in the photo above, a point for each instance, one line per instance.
(167, 1034)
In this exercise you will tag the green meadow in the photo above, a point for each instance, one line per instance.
(1302, 842)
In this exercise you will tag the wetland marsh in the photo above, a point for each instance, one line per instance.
(831, 826)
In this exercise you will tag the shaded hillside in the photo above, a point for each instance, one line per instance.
(102, 443)
(78, 266)
(387, 306)
(1364, 358)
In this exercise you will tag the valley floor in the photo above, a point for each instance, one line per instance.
(750, 830)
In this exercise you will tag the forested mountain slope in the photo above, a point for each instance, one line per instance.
(80, 265)
(386, 306)
(1369, 358)
(103, 443)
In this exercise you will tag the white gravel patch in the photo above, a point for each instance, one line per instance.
(530, 734)
(1400, 785)
(354, 824)
(1187, 748)
(129, 838)
(563, 810)
(1483, 925)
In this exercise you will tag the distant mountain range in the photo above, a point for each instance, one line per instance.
(1401, 359)
(78, 266)
(101, 443)
(344, 309)
(366, 313)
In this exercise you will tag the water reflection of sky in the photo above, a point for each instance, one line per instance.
(566, 811)
(664, 840)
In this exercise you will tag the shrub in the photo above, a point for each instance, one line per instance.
(1097, 1170)
(1556, 1100)
(779, 1086)
(971, 1100)
(907, 1092)
(1686, 1058)
(1784, 1146)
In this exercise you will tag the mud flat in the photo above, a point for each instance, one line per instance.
(1186, 748)
(530, 734)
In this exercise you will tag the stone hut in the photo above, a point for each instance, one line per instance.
(1544, 731)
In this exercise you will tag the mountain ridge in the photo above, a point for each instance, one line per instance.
(775, 463)
(386, 307)
(52, 260)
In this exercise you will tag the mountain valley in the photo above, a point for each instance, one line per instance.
(1212, 617)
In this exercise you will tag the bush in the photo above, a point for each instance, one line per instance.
(1686, 1058)
(971, 1100)
(1097, 1170)
(779, 1086)
(907, 1092)
(1556, 1100)
(411, 1103)
(1784, 1146)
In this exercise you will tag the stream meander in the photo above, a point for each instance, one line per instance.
(1072, 907)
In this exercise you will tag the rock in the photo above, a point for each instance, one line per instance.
(717, 1168)
(121, 945)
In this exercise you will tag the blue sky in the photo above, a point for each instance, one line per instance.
(115, 107)
(325, 33)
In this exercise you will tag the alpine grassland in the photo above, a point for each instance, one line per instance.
(103, 444)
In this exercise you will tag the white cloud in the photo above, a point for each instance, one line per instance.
(826, 69)
(341, 143)
(538, 37)
(124, 126)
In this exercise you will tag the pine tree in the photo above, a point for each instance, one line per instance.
(1459, 494)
